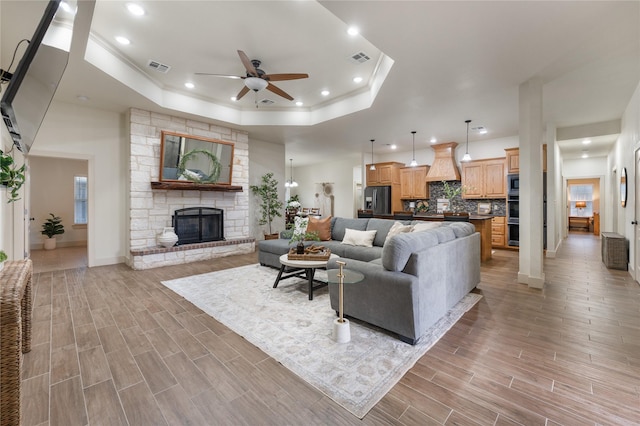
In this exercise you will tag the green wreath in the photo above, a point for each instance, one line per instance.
(193, 177)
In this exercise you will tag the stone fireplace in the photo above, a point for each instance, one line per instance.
(151, 210)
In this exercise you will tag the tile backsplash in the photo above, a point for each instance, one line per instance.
(436, 191)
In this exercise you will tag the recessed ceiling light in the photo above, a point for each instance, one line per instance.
(433, 140)
(189, 85)
(353, 31)
(394, 146)
(585, 155)
(82, 98)
(325, 93)
(233, 98)
(586, 141)
(135, 9)
(299, 103)
(123, 40)
(357, 79)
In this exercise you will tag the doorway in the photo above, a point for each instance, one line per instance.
(59, 186)
(583, 205)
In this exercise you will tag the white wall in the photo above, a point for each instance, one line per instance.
(265, 157)
(52, 191)
(98, 136)
(622, 155)
(339, 173)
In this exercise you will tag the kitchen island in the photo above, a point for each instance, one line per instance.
(481, 222)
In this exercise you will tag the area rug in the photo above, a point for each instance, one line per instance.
(297, 332)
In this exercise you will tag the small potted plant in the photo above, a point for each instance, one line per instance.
(11, 176)
(301, 237)
(50, 228)
(3, 258)
(270, 206)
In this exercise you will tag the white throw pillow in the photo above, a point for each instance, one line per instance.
(359, 238)
(423, 226)
(397, 228)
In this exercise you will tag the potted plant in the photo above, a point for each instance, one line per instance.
(270, 206)
(453, 194)
(11, 176)
(301, 237)
(3, 258)
(50, 228)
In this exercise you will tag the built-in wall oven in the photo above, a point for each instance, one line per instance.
(513, 220)
(513, 230)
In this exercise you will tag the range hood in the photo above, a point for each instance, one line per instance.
(444, 165)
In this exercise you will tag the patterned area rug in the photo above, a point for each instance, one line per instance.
(297, 332)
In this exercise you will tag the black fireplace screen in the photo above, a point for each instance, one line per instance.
(198, 225)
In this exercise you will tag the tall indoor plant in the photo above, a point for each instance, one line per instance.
(50, 228)
(11, 176)
(270, 206)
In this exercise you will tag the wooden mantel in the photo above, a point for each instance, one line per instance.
(193, 186)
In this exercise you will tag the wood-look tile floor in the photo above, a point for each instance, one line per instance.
(113, 346)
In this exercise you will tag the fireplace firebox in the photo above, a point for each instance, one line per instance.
(198, 225)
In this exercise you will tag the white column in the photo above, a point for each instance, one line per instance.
(552, 199)
(531, 227)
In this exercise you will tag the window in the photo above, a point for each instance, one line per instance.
(80, 200)
(583, 195)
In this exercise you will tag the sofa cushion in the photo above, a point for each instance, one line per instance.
(425, 226)
(397, 228)
(396, 252)
(444, 233)
(382, 226)
(462, 229)
(321, 226)
(341, 224)
(359, 238)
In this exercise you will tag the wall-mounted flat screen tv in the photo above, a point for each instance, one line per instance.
(34, 82)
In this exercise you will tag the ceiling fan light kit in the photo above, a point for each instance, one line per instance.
(466, 156)
(256, 84)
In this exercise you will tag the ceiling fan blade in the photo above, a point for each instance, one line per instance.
(283, 77)
(242, 92)
(279, 91)
(247, 64)
(236, 77)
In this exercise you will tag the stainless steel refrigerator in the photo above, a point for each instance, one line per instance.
(378, 199)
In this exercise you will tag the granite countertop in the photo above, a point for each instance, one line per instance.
(441, 216)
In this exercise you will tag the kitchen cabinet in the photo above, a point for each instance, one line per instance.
(513, 159)
(498, 231)
(484, 178)
(413, 183)
(384, 174)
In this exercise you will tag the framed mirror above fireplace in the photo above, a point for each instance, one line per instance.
(195, 159)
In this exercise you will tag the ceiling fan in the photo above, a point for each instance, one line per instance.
(256, 79)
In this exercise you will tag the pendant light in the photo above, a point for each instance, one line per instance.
(373, 166)
(291, 183)
(414, 162)
(467, 157)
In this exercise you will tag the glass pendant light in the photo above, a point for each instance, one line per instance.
(373, 166)
(414, 162)
(467, 157)
(291, 183)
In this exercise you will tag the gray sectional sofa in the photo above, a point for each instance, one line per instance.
(409, 283)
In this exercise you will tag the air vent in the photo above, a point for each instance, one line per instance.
(155, 65)
(479, 129)
(359, 58)
(266, 102)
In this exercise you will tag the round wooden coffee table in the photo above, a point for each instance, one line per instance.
(302, 269)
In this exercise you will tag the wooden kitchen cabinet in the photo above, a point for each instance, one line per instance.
(384, 174)
(413, 182)
(485, 178)
(498, 234)
(513, 159)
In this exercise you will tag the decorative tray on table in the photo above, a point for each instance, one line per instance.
(310, 253)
